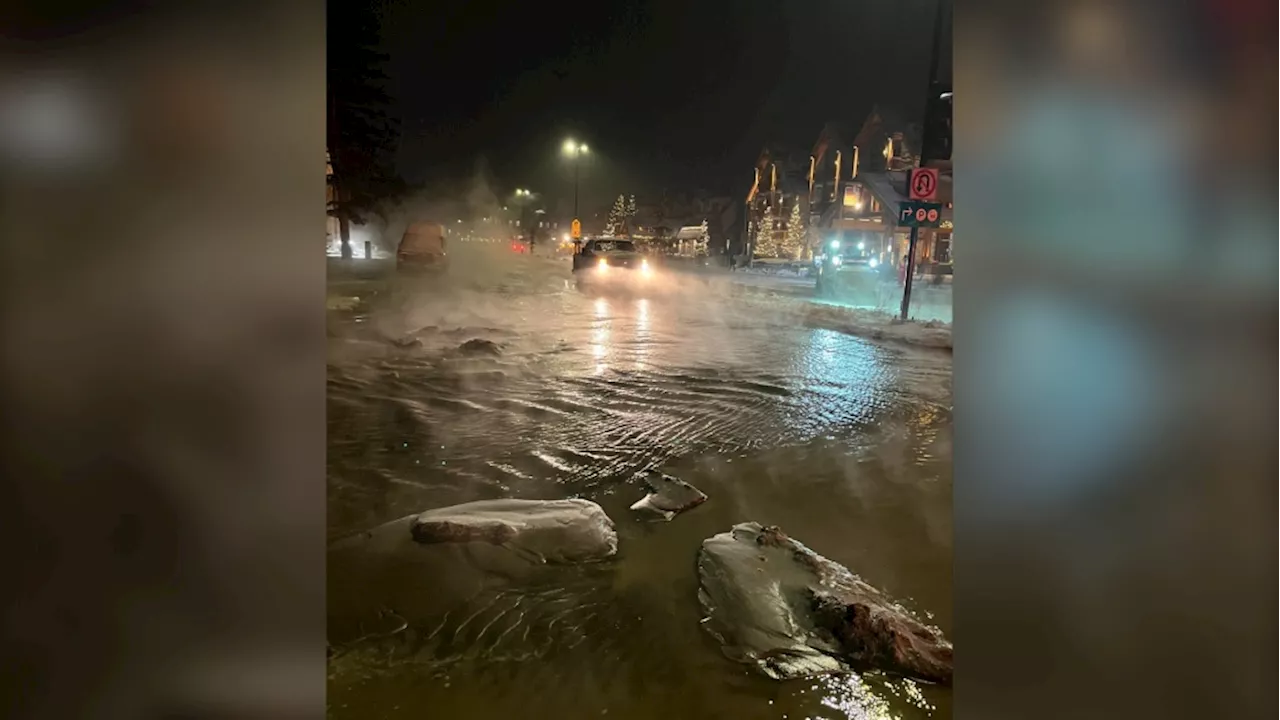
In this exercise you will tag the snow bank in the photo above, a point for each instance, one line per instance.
(879, 325)
(863, 322)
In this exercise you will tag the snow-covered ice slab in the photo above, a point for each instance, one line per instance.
(668, 496)
(553, 531)
(789, 612)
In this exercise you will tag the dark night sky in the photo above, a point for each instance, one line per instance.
(676, 94)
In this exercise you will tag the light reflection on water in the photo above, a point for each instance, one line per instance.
(857, 698)
(600, 335)
(643, 337)
(829, 356)
(851, 696)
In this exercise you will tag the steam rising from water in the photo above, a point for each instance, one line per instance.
(471, 202)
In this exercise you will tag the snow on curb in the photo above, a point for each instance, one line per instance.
(874, 324)
(879, 325)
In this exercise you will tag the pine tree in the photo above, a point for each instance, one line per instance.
(793, 243)
(362, 132)
(761, 248)
(766, 239)
(617, 217)
(631, 209)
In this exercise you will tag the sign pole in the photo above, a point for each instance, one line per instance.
(922, 186)
(911, 271)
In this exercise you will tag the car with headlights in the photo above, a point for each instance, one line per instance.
(845, 269)
(610, 262)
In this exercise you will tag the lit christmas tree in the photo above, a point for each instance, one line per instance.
(766, 239)
(617, 217)
(793, 243)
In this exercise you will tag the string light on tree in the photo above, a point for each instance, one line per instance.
(768, 242)
(617, 216)
(793, 243)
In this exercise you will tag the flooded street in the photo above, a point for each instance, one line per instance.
(842, 442)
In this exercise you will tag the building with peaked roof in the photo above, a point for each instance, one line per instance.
(857, 200)
(781, 180)
(849, 186)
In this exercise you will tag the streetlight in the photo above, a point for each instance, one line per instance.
(573, 148)
(575, 151)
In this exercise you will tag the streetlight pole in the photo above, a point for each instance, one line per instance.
(523, 197)
(575, 151)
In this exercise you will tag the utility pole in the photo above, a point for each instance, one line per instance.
(931, 99)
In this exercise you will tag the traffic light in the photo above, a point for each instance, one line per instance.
(936, 143)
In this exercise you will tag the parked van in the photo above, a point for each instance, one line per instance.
(422, 247)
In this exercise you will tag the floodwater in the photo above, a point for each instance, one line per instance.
(844, 443)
